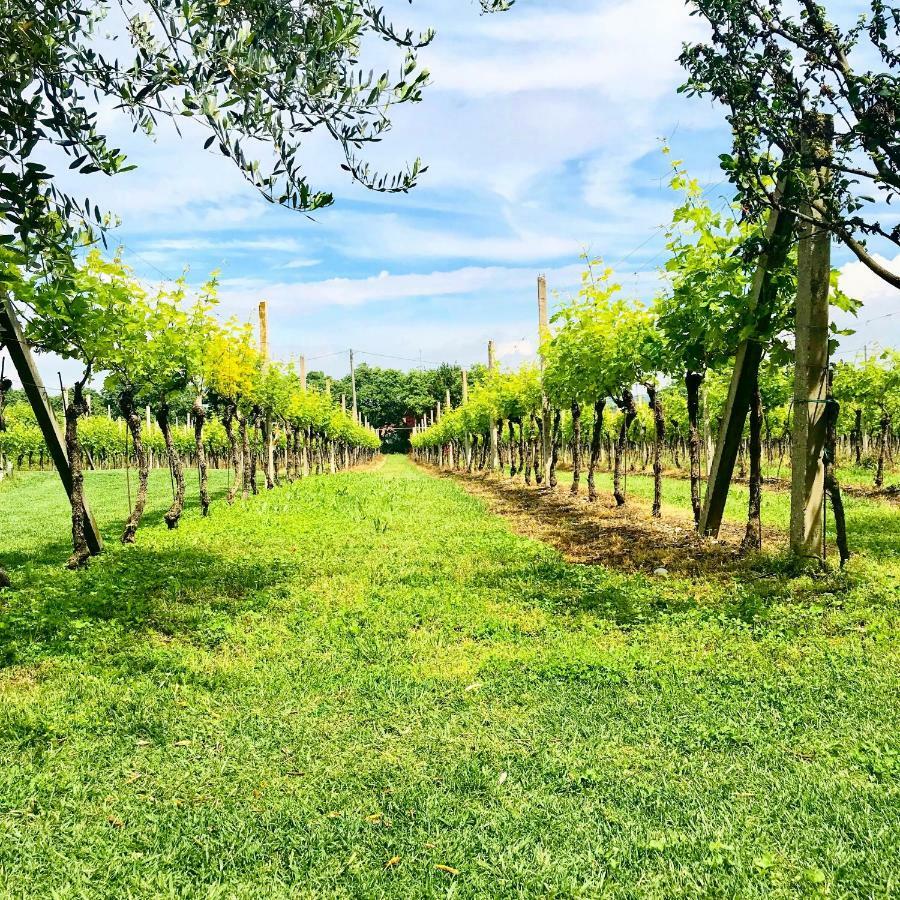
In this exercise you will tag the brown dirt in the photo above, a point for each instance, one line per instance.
(627, 537)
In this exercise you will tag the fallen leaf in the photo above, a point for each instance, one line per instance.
(375, 817)
(116, 823)
(473, 686)
(332, 815)
(184, 743)
(502, 778)
(132, 777)
(449, 869)
(393, 861)
(295, 774)
(143, 743)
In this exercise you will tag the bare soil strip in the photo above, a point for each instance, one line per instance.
(626, 537)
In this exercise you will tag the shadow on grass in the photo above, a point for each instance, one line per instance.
(57, 548)
(128, 596)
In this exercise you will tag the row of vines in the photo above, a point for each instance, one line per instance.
(159, 350)
(622, 381)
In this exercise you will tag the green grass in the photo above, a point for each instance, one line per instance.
(873, 525)
(279, 700)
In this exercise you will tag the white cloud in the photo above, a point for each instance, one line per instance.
(272, 244)
(240, 294)
(878, 322)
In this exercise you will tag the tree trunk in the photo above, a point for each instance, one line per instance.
(857, 436)
(692, 383)
(626, 404)
(882, 449)
(537, 427)
(199, 421)
(753, 534)
(174, 514)
(253, 454)
(576, 446)
(237, 462)
(74, 410)
(659, 433)
(246, 464)
(529, 459)
(521, 447)
(133, 421)
(829, 455)
(555, 437)
(596, 438)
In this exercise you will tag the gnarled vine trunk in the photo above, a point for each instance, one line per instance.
(237, 463)
(199, 421)
(885, 431)
(173, 515)
(249, 473)
(555, 436)
(538, 430)
(576, 446)
(133, 422)
(832, 487)
(626, 404)
(74, 411)
(753, 534)
(692, 383)
(659, 434)
(596, 438)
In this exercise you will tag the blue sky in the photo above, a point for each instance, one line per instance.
(542, 130)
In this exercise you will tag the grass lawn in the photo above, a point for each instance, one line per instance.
(366, 686)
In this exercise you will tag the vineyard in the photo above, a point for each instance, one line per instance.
(609, 611)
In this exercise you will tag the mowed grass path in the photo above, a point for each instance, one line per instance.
(345, 684)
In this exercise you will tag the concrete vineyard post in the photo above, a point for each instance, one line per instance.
(811, 355)
(467, 440)
(543, 333)
(20, 353)
(303, 373)
(495, 450)
(449, 443)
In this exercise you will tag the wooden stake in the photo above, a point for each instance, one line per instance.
(303, 373)
(779, 231)
(20, 353)
(353, 387)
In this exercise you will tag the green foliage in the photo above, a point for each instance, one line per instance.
(257, 78)
(797, 94)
